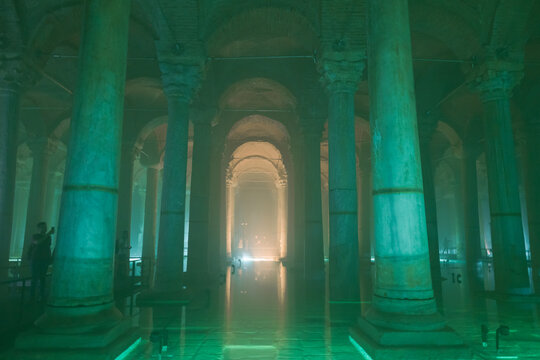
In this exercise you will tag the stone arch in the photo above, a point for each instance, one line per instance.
(225, 29)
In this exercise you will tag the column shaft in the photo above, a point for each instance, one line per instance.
(230, 216)
(343, 197)
(403, 281)
(41, 150)
(314, 246)
(470, 215)
(198, 214)
(82, 282)
(150, 223)
(533, 198)
(430, 204)
(282, 213)
(125, 197)
(510, 263)
(169, 273)
(9, 106)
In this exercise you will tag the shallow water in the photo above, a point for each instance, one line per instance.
(263, 312)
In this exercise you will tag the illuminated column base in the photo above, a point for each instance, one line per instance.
(80, 311)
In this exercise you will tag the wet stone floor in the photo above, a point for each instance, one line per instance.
(261, 312)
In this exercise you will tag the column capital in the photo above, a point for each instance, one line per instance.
(341, 71)
(495, 80)
(281, 182)
(15, 73)
(181, 80)
(43, 145)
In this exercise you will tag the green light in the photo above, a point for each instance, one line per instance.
(360, 349)
(129, 350)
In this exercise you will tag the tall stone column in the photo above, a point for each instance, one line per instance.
(150, 223)
(80, 310)
(9, 113)
(179, 82)
(314, 245)
(341, 78)
(123, 218)
(533, 197)
(282, 214)
(365, 208)
(426, 128)
(470, 213)
(230, 199)
(403, 295)
(42, 149)
(198, 243)
(510, 263)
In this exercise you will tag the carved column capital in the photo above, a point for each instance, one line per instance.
(15, 73)
(341, 71)
(43, 146)
(180, 80)
(495, 80)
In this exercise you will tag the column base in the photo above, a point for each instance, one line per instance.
(389, 344)
(155, 297)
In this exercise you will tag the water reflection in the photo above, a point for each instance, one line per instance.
(262, 310)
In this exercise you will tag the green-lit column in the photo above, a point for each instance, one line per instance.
(123, 218)
(81, 295)
(426, 128)
(314, 246)
(9, 106)
(150, 223)
(510, 262)
(342, 77)
(403, 296)
(533, 197)
(42, 149)
(470, 212)
(199, 201)
(179, 82)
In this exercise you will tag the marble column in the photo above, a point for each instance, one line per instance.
(314, 245)
(81, 295)
(123, 217)
(510, 262)
(426, 128)
(42, 149)
(471, 217)
(179, 82)
(403, 295)
(198, 241)
(9, 107)
(341, 78)
(150, 223)
(230, 199)
(533, 196)
(365, 219)
(282, 214)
